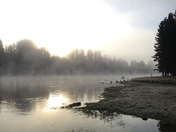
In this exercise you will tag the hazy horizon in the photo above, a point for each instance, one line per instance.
(122, 29)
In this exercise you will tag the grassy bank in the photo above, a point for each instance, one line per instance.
(141, 97)
(156, 79)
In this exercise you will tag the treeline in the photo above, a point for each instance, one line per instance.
(165, 46)
(24, 57)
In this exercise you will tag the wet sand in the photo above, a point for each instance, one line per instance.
(151, 97)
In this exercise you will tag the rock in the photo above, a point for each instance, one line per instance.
(144, 118)
(72, 105)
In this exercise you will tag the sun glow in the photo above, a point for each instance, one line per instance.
(56, 101)
(60, 25)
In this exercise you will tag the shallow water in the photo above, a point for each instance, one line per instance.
(32, 104)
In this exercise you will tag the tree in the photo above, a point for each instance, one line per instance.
(1, 48)
(27, 56)
(171, 44)
(165, 46)
(11, 59)
(1, 57)
(90, 55)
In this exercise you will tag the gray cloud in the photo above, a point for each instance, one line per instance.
(145, 13)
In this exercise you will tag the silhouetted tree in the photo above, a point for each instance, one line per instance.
(1, 48)
(26, 55)
(2, 59)
(165, 46)
(11, 59)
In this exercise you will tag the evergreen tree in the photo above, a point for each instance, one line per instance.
(1, 48)
(2, 66)
(165, 46)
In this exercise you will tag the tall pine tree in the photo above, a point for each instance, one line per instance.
(165, 46)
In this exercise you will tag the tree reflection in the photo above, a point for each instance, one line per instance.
(20, 94)
(164, 126)
(24, 105)
(113, 119)
(19, 90)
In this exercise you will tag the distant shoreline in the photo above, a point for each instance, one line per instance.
(145, 97)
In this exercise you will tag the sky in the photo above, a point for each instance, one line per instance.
(124, 29)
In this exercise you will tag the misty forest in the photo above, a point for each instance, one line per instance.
(25, 58)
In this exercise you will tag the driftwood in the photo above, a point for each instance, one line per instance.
(72, 105)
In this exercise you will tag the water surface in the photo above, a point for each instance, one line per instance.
(32, 104)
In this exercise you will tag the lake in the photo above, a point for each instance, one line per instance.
(32, 104)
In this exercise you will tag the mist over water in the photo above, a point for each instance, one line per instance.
(32, 103)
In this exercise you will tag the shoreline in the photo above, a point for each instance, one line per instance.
(156, 79)
(146, 97)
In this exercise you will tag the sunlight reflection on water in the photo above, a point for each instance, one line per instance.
(56, 101)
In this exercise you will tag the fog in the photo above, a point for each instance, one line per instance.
(122, 29)
(25, 58)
